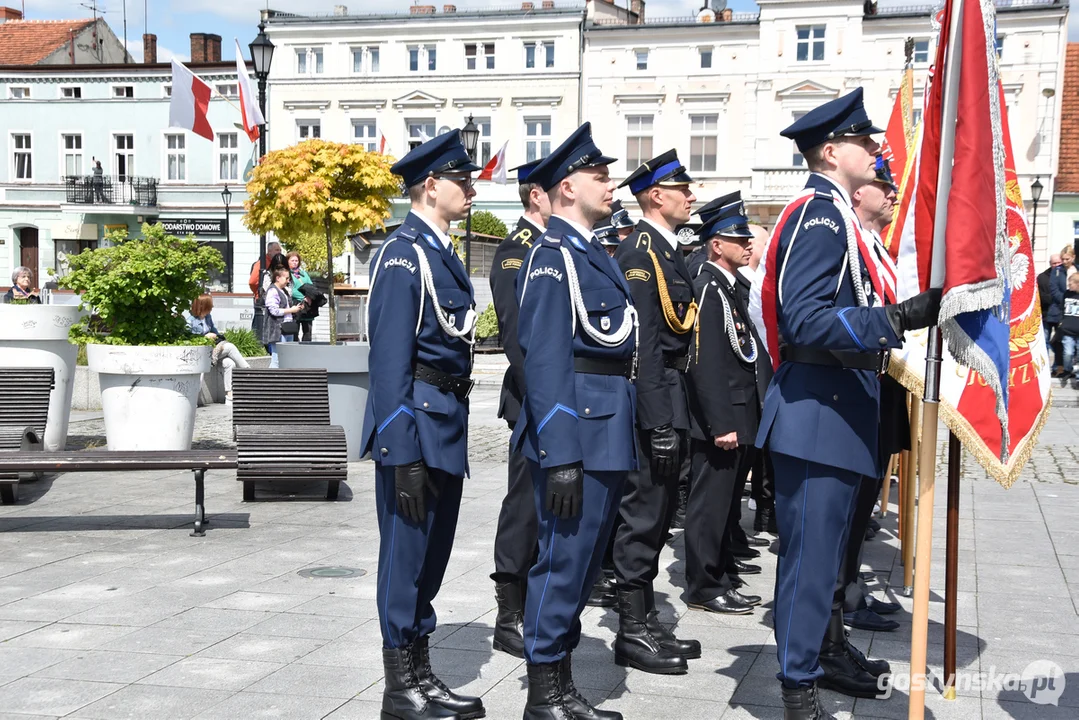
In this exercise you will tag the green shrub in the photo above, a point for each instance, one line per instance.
(487, 323)
(139, 288)
(487, 223)
(246, 342)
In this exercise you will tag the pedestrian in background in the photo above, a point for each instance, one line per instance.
(1069, 330)
(279, 326)
(300, 278)
(1052, 284)
(225, 355)
(22, 286)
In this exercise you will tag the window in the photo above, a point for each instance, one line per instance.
(176, 156)
(229, 90)
(703, 130)
(22, 156)
(706, 57)
(548, 54)
(307, 129)
(71, 92)
(166, 91)
(1000, 47)
(537, 138)
(365, 59)
(642, 59)
(364, 134)
(123, 91)
(309, 61)
(63, 249)
(372, 59)
(483, 145)
(1075, 233)
(124, 156)
(479, 55)
(19, 93)
(530, 54)
(797, 159)
(921, 52)
(419, 131)
(638, 140)
(917, 117)
(228, 157)
(810, 43)
(430, 50)
(416, 55)
(72, 154)
(413, 59)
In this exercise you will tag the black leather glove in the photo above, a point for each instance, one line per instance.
(664, 452)
(410, 483)
(565, 490)
(920, 311)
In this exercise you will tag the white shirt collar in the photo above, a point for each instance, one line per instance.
(842, 191)
(726, 273)
(669, 236)
(586, 235)
(530, 221)
(441, 236)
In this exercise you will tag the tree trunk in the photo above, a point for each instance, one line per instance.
(329, 267)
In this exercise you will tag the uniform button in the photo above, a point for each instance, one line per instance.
(543, 453)
(835, 397)
(883, 341)
(603, 304)
(384, 451)
(588, 411)
(427, 405)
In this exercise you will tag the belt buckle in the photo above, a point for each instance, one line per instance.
(469, 384)
(884, 361)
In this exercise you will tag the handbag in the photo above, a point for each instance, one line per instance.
(290, 326)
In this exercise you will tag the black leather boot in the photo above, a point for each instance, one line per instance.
(603, 593)
(765, 519)
(803, 704)
(436, 691)
(575, 702)
(509, 623)
(545, 700)
(635, 645)
(403, 698)
(689, 649)
(842, 672)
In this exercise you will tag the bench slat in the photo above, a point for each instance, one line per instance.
(99, 460)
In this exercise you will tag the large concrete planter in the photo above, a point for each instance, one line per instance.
(36, 336)
(349, 381)
(149, 394)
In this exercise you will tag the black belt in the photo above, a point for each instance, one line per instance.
(676, 362)
(877, 362)
(596, 366)
(445, 382)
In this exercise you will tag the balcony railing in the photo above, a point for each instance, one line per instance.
(104, 190)
(777, 184)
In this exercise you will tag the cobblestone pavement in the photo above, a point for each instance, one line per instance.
(109, 609)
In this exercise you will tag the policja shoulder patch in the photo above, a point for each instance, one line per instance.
(638, 274)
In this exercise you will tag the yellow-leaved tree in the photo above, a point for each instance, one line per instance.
(320, 186)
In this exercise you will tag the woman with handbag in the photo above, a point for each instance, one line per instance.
(299, 278)
(280, 326)
(225, 355)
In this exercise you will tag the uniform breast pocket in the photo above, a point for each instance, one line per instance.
(454, 302)
(738, 396)
(681, 295)
(605, 307)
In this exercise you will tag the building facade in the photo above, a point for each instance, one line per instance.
(1062, 223)
(74, 116)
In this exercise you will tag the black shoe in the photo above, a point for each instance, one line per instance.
(867, 577)
(876, 668)
(842, 672)
(403, 698)
(758, 542)
(730, 603)
(465, 706)
(545, 700)
(870, 533)
(736, 582)
(509, 623)
(866, 619)
(689, 649)
(874, 525)
(576, 703)
(635, 646)
(803, 704)
(603, 594)
(745, 552)
(882, 607)
(741, 568)
(746, 598)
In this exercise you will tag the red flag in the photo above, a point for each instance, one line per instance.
(495, 169)
(897, 150)
(381, 143)
(189, 101)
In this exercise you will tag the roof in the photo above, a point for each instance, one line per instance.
(1068, 169)
(26, 42)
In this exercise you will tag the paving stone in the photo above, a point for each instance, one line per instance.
(244, 646)
(108, 666)
(259, 706)
(140, 702)
(212, 673)
(319, 681)
(48, 696)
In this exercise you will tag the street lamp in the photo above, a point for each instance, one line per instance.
(226, 197)
(1035, 194)
(261, 55)
(470, 136)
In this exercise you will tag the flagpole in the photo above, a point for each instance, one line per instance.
(934, 355)
(951, 564)
(906, 502)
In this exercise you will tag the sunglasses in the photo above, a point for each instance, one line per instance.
(464, 182)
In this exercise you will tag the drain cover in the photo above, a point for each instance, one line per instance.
(333, 571)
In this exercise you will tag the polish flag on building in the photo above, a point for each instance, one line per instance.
(382, 143)
(249, 109)
(496, 169)
(189, 101)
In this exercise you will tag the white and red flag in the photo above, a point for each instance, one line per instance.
(249, 109)
(495, 170)
(382, 144)
(189, 101)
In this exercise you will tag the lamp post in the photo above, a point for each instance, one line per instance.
(261, 55)
(1035, 194)
(470, 136)
(226, 197)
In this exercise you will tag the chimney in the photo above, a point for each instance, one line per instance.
(205, 48)
(340, 10)
(149, 48)
(548, 5)
(527, 6)
(449, 8)
(421, 10)
(7, 14)
(637, 8)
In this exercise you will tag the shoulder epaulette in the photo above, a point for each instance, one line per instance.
(824, 195)
(407, 233)
(523, 236)
(644, 241)
(552, 238)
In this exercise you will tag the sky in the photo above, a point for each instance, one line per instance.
(174, 20)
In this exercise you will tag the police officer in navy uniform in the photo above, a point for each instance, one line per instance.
(662, 288)
(421, 324)
(621, 221)
(578, 332)
(725, 407)
(607, 234)
(515, 537)
(821, 411)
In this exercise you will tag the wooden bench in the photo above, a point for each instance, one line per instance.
(24, 410)
(198, 461)
(281, 422)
